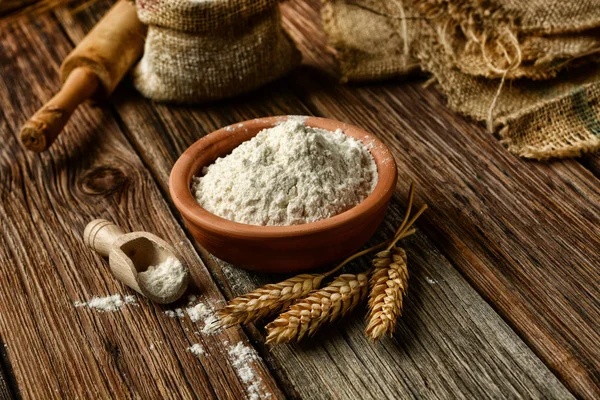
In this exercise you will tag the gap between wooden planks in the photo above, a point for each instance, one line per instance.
(6, 392)
(56, 350)
(450, 342)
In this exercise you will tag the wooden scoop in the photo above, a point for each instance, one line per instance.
(131, 253)
(92, 70)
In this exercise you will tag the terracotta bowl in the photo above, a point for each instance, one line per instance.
(279, 248)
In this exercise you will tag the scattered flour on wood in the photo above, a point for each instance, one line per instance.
(176, 313)
(196, 350)
(236, 277)
(243, 359)
(200, 312)
(287, 175)
(206, 313)
(109, 303)
(165, 279)
(431, 281)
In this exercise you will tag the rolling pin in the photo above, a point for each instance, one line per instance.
(91, 71)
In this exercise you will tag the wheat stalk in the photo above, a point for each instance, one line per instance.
(308, 307)
(307, 315)
(268, 299)
(389, 281)
(272, 298)
(389, 284)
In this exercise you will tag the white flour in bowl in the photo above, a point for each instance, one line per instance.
(287, 175)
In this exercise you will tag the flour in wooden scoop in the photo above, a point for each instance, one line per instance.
(164, 279)
(287, 175)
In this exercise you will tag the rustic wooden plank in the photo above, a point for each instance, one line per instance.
(55, 349)
(450, 342)
(525, 234)
(438, 293)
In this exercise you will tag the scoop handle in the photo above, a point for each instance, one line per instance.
(42, 129)
(100, 235)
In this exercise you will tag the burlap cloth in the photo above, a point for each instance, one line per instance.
(527, 69)
(368, 42)
(198, 51)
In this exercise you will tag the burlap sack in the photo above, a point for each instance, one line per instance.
(375, 39)
(198, 51)
(370, 41)
(536, 119)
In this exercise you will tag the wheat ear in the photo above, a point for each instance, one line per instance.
(272, 298)
(307, 315)
(268, 299)
(389, 282)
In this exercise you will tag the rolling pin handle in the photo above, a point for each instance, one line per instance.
(100, 235)
(40, 131)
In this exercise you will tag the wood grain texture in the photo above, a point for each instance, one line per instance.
(525, 234)
(450, 344)
(437, 362)
(55, 349)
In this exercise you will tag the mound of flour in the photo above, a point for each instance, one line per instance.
(165, 279)
(287, 175)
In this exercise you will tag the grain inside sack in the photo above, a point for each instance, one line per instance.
(198, 51)
(529, 70)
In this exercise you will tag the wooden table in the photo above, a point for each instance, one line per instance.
(504, 295)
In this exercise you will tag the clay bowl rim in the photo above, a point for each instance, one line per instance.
(181, 193)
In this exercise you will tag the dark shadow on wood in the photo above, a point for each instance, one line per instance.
(8, 383)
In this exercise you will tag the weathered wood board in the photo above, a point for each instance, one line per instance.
(57, 350)
(491, 225)
(341, 361)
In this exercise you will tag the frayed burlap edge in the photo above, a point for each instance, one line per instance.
(488, 16)
(535, 126)
(492, 37)
(514, 59)
(568, 126)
